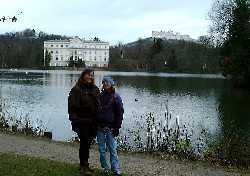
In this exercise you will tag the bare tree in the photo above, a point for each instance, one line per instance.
(221, 18)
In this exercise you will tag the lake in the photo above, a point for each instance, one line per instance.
(197, 101)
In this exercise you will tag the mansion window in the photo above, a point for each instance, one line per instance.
(56, 58)
(61, 45)
(56, 52)
(51, 45)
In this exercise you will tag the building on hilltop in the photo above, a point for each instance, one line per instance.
(169, 35)
(94, 53)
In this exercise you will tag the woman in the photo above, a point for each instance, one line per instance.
(109, 120)
(82, 109)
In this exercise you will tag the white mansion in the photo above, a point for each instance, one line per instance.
(94, 53)
(169, 35)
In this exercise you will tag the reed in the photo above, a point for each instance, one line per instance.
(21, 124)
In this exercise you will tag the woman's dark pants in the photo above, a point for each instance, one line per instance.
(86, 136)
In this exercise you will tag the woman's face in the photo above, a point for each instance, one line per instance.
(106, 85)
(89, 78)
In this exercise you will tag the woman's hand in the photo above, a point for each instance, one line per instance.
(115, 132)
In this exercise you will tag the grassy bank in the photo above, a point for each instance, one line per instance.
(19, 165)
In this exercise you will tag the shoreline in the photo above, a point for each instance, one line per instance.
(120, 73)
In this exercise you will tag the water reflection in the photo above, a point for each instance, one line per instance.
(234, 108)
(194, 101)
(173, 85)
(199, 103)
(234, 139)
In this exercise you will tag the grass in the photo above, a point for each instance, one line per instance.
(19, 165)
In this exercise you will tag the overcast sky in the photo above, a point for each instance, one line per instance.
(110, 20)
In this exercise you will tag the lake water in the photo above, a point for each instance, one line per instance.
(198, 101)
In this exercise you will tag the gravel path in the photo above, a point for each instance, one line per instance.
(134, 164)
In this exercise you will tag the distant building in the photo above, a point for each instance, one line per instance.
(94, 53)
(169, 35)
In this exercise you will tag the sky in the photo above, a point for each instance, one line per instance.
(110, 20)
